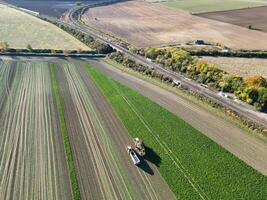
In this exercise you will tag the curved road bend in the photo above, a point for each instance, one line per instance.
(246, 147)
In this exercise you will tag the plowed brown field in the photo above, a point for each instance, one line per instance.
(32, 159)
(256, 17)
(145, 24)
(99, 141)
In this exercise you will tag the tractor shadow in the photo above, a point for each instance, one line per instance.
(151, 157)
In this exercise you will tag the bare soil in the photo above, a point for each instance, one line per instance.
(240, 66)
(32, 159)
(256, 17)
(146, 24)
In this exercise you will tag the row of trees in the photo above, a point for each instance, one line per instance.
(129, 63)
(234, 82)
(96, 45)
(29, 49)
(230, 53)
(252, 90)
(3, 46)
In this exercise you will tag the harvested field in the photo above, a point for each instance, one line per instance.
(198, 6)
(241, 66)
(145, 24)
(254, 17)
(19, 30)
(32, 160)
(98, 138)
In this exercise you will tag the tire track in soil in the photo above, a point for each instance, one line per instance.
(89, 128)
(6, 79)
(154, 185)
(92, 132)
(32, 161)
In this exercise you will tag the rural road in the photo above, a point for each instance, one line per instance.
(246, 147)
(99, 140)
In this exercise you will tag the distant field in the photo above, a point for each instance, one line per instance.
(256, 17)
(19, 29)
(241, 66)
(198, 6)
(145, 24)
(194, 166)
(53, 8)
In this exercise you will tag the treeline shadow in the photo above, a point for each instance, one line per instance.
(152, 157)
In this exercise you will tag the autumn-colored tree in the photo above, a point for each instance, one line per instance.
(79, 50)
(256, 81)
(29, 47)
(4, 46)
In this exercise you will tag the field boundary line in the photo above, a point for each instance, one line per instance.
(75, 191)
(175, 160)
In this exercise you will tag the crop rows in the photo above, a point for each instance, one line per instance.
(194, 166)
(32, 160)
(91, 147)
(98, 138)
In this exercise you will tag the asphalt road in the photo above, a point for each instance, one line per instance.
(243, 145)
(252, 115)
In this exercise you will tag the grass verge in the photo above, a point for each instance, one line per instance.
(194, 166)
(68, 152)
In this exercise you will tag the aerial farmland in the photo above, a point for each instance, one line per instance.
(138, 100)
(96, 135)
(33, 164)
(145, 24)
(29, 30)
(253, 18)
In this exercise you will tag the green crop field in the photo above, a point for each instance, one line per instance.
(19, 30)
(194, 166)
(199, 6)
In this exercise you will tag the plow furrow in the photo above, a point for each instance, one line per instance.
(32, 162)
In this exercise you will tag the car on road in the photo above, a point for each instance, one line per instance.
(176, 83)
(203, 85)
(133, 155)
(222, 94)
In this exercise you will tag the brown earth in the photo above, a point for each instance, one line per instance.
(32, 160)
(145, 24)
(241, 66)
(99, 141)
(237, 141)
(256, 17)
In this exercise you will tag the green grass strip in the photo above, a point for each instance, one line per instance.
(67, 146)
(194, 166)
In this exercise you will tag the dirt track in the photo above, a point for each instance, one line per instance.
(99, 139)
(248, 148)
(32, 159)
(144, 24)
